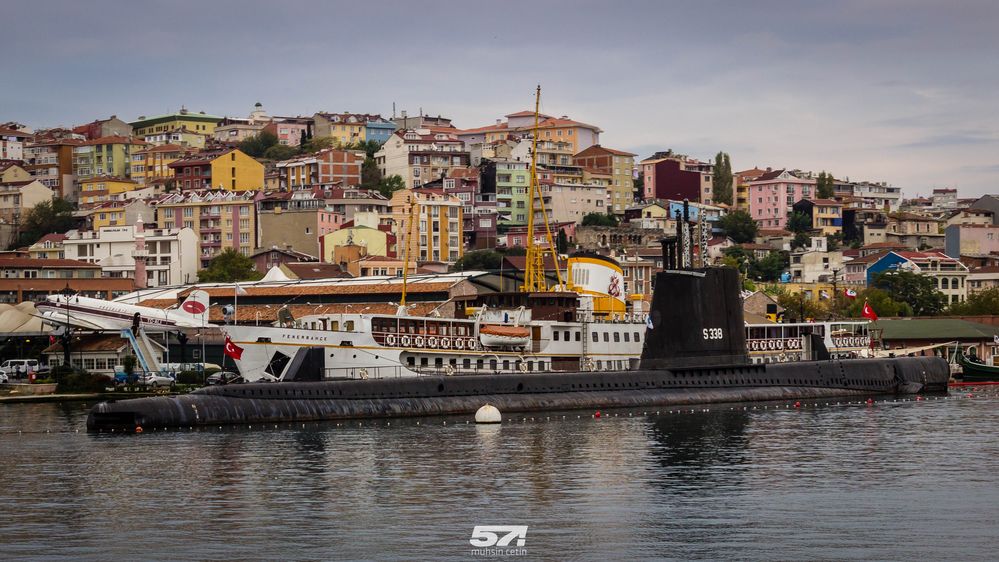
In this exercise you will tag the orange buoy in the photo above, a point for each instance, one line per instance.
(138, 429)
(597, 415)
(918, 398)
(797, 404)
(870, 401)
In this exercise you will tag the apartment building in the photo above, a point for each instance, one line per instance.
(229, 169)
(427, 222)
(421, 155)
(221, 219)
(330, 166)
(172, 254)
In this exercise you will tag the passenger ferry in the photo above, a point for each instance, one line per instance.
(589, 327)
(780, 343)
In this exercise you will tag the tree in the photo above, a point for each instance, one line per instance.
(302, 139)
(801, 240)
(833, 241)
(722, 179)
(388, 186)
(824, 186)
(371, 175)
(280, 152)
(478, 260)
(880, 301)
(739, 226)
(599, 219)
(919, 292)
(798, 222)
(257, 145)
(45, 218)
(981, 303)
(771, 267)
(228, 267)
(798, 308)
(562, 242)
(315, 144)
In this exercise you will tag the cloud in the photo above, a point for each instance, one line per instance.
(863, 88)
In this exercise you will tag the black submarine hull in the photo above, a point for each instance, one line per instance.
(534, 392)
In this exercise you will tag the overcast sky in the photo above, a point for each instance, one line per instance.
(896, 91)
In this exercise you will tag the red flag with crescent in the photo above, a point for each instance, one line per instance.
(231, 349)
(868, 312)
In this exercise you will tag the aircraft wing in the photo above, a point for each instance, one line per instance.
(75, 322)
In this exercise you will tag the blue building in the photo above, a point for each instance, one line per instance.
(377, 128)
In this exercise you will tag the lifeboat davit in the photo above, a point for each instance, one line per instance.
(504, 336)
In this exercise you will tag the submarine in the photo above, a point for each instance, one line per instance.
(694, 353)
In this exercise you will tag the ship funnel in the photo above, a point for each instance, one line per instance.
(696, 318)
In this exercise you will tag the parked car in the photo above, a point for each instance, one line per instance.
(18, 368)
(122, 378)
(156, 380)
(222, 377)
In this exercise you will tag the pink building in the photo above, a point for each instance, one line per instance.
(772, 194)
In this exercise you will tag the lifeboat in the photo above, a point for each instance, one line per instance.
(504, 336)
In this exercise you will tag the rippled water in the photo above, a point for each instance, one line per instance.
(893, 481)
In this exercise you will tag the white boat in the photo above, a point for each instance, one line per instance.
(780, 343)
(335, 346)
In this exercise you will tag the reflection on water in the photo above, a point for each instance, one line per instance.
(831, 482)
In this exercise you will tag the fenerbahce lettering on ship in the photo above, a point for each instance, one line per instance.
(693, 351)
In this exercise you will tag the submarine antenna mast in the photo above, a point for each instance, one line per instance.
(534, 263)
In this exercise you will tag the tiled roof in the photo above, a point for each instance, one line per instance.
(8, 132)
(26, 263)
(773, 232)
(51, 237)
(986, 269)
(296, 290)
(869, 258)
(91, 343)
(114, 139)
(486, 129)
(527, 114)
(316, 270)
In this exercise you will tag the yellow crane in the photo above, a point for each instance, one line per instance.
(534, 266)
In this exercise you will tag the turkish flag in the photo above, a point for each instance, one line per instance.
(231, 349)
(868, 312)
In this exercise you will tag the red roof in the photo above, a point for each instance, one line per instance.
(486, 129)
(13, 132)
(527, 114)
(51, 237)
(114, 139)
(26, 263)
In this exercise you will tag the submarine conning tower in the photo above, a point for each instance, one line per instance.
(696, 318)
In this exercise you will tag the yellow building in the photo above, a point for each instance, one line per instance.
(101, 189)
(181, 136)
(431, 230)
(154, 163)
(222, 219)
(375, 242)
(230, 169)
(111, 213)
(344, 128)
(194, 122)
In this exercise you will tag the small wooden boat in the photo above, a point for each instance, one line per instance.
(976, 371)
(504, 336)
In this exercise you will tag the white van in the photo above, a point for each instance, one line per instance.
(18, 368)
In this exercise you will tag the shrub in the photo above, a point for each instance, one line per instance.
(83, 382)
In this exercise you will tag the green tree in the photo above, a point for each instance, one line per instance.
(478, 260)
(228, 267)
(739, 226)
(771, 267)
(801, 240)
(798, 222)
(388, 186)
(599, 219)
(919, 292)
(280, 152)
(834, 241)
(257, 145)
(371, 175)
(798, 308)
(824, 186)
(45, 218)
(981, 303)
(880, 301)
(722, 179)
(562, 242)
(315, 144)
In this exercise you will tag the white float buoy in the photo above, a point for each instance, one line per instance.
(488, 414)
